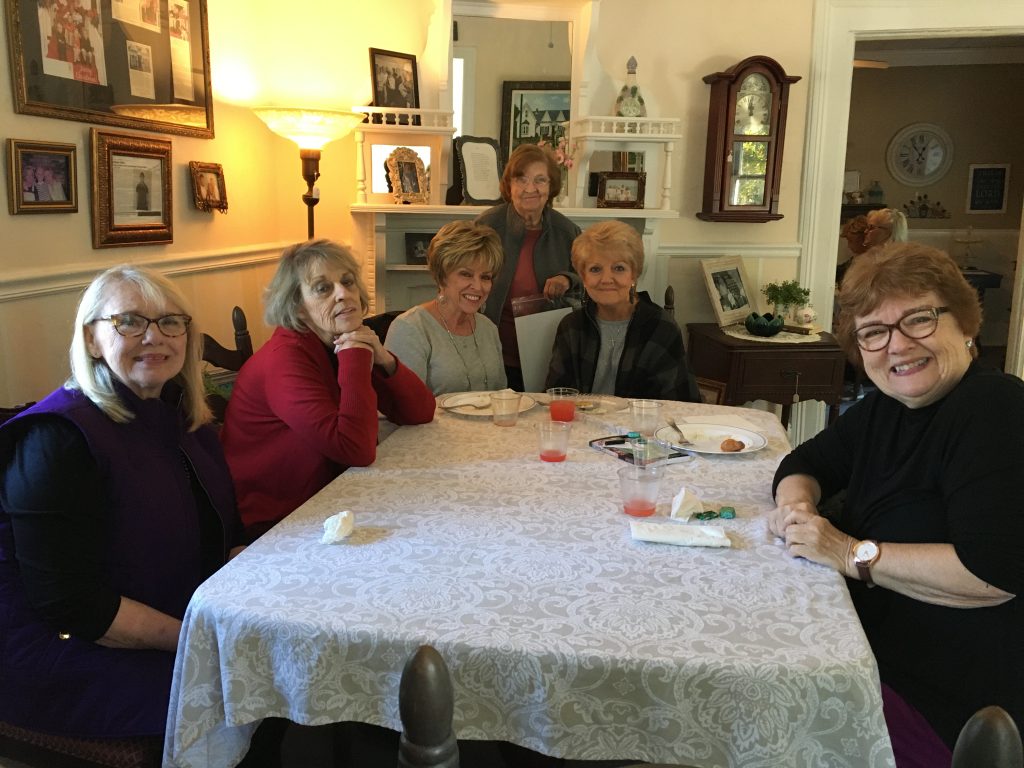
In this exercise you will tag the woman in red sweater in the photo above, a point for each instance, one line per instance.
(304, 407)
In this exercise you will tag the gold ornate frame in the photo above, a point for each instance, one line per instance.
(208, 190)
(407, 176)
(62, 158)
(131, 190)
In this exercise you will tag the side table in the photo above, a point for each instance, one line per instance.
(783, 373)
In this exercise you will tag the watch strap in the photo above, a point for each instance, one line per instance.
(864, 570)
(864, 566)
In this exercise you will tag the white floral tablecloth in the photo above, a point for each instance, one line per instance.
(562, 633)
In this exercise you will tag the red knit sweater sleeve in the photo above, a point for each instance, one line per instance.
(403, 397)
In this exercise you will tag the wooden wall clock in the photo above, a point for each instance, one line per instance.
(746, 129)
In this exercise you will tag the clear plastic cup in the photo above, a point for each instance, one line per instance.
(553, 437)
(646, 415)
(640, 486)
(563, 403)
(505, 408)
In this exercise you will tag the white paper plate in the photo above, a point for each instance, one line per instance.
(707, 438)
(596, 404)
(463, 402)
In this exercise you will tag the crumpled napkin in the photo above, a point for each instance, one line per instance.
(684, 504)
(338, 527)
(680, 535)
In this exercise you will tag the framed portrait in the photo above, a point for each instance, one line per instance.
(208, 190)
(532, 112)
(728, 288)
(620, 189)
(395, 83)
(711, 392)
(416, 246)
(41, 177)
(142, 64)
(131, 190)
(479, 168)
(986, 187)
(407, 176)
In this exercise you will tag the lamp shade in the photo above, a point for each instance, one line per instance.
(309, 128)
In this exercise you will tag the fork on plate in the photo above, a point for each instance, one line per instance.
(682, 438)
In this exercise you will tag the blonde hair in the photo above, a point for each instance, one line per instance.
(94, 377)
(609, 235)
(283, 297)
(459, 243)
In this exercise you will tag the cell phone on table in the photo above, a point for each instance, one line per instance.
(620, 447)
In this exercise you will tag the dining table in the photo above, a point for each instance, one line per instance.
(563, 633)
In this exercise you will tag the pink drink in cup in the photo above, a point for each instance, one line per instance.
(554, 440)
(563, 403)
(640, 486)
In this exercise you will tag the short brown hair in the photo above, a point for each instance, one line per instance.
(459, 243)
(904, 270)
(605, 235)
(856, 225)
(527, 154)
(283, 298)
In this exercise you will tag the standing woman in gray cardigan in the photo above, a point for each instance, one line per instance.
(537, 241)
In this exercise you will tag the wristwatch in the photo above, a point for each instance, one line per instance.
(866, 554)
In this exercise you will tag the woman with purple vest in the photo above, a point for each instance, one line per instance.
(115, 504)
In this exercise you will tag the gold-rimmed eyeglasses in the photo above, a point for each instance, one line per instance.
(132, 324)
(916, 324)
(537, 181)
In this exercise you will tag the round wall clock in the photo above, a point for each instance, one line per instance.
(919, 154)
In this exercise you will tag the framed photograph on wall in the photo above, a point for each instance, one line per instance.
(407, 176)
(620, 189)
(42, 177)
(395, 83)
(728, 288)
(416, 246)
(987, 184)
(532, 112)
(208, 190)
(125, 64)
(131, 190)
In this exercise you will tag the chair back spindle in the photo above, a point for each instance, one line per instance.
(426, 705)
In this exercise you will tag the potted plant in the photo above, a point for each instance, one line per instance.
(786, 296)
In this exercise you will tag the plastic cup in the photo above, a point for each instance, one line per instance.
(505, 407)
(646, 414)
(553, 437)
(563, 403)
(640, 486)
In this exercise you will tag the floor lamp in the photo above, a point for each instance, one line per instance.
(311, 130)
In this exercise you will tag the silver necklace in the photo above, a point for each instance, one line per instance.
(476, 346)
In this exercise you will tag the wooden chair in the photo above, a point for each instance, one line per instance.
(426, 703)
(380, 323)
(990, 739)
(228, 359)
(9, 413)
(43, 750)
(696, 394)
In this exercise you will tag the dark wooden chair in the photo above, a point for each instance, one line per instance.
(9, 413)
(670, 310)
(380, 323)
(426, 703)
(990, 739)
(42, 750)
(228, 359)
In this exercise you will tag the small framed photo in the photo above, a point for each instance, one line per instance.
(620, 189)
(986, 187)
(395, 83)
(728, 288)
(416, 246)
(407, 176)
(532, 112)
(41, 177)
(711, 392)
(208, 190)
(131, 190)
(479, 167)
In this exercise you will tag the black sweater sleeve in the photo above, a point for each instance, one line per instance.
(55, 501)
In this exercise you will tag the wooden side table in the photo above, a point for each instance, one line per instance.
(781, 373)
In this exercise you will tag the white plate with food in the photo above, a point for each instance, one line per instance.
(478, 403)
(596, 404)
(712, 438)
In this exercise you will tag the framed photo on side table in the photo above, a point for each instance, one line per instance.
(407, 176)
(41, 177)
(620, 189)
(131, 190)
(728, 288)
(416, 246)
(986, 187)
(208, 190)
(531, 112)
(124, 64)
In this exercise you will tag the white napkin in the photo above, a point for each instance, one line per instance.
(681, 535)
(684, 504)
(725, 420)
(338, 527)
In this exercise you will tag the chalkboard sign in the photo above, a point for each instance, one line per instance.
(986, 188)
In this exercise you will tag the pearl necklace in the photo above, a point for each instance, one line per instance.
(476, 346)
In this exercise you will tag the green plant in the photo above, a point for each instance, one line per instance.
(788, 293)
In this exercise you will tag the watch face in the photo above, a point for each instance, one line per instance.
(753, 107)
(920, 154)
(865, 551)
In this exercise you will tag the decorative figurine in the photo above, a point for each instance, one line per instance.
(630, 102)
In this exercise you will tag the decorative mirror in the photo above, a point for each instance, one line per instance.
(746, 129)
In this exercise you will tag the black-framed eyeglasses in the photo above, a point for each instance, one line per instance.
(132, 324)
(916, 324)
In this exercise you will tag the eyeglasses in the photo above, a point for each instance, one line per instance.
(131, 324)
(537, 181)
(916, 324)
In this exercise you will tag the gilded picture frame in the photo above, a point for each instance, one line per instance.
(729, 289)
(131, 190)
(42, 177)
(407, 176)
(209, 192)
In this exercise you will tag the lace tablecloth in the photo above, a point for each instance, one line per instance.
(562, 633)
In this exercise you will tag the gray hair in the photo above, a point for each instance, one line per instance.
(283, 297)
(93, 375)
